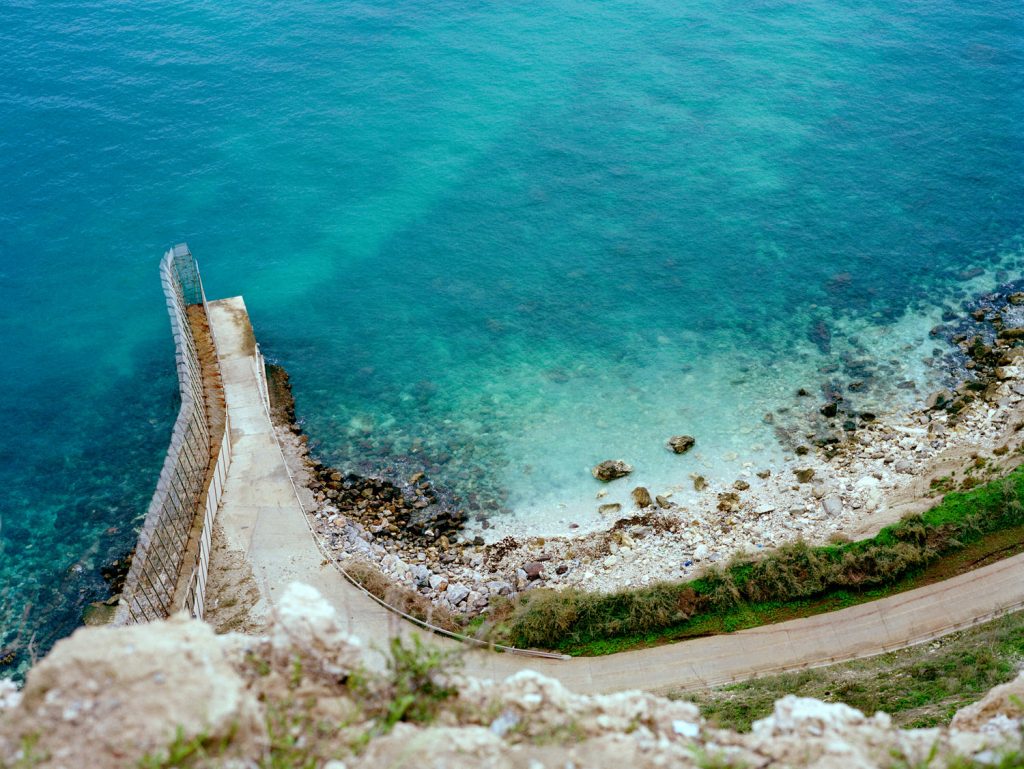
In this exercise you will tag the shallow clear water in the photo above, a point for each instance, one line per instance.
(500, 241)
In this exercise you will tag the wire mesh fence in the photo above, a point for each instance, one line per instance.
(182, 489)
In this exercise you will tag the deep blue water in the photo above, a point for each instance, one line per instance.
(499, 241)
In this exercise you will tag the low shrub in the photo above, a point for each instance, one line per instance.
(794, 572)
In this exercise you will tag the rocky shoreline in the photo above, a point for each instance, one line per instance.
(847, 474)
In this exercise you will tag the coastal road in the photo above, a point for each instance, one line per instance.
(262, 517)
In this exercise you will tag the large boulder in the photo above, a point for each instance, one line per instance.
(106, 697)
(680, 444)
(306, 620)
(611, 469)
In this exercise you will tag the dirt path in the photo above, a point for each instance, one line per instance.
(263, 521)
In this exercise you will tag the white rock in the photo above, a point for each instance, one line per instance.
(456, 593)
(832, 506)
(306, 620)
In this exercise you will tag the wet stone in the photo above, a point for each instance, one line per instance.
(680, 444)
(611, 469)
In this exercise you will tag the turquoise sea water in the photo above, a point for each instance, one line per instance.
(499, 241)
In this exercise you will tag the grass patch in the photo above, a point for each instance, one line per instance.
(965, 530)
(921, 686)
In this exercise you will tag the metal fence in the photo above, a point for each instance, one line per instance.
(183, 489)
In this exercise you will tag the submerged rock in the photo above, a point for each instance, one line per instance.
(680, 444)
(642, 497)
(612, 507)
(611, 469)
(804, 475)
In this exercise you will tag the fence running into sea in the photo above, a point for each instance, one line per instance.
(190, 483)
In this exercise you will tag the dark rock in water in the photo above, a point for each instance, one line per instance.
(1016, 298)
(821, 336)
(115, 572)
(768, 418)
(805, 475)
(840, 282)
(642, 497)
(830, 409)
(663, 502)
(8, 654)
(803, 393)
(938, 400)
(823, 439)
(763, 474)
(699, 482)
(562, 569)
(906, 385)
(680, 444)
(971, 273)
(611, 469)
(612, 507)
(478, 541)
(1012, 333)
(741, 485)
(802, 451)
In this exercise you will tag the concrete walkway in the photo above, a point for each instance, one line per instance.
(261, 515)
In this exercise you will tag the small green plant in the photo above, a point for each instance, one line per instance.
(186, 752)
(418, 682)
(289, 727)
(28, 758)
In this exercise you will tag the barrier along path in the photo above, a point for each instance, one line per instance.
(262, 514)
(169, 566)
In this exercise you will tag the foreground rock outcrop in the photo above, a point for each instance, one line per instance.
(301, 696)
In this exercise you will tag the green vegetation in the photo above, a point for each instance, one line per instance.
(920, 686)
(417, 682)
(185, 752)
(30, 757)
(795, 580)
